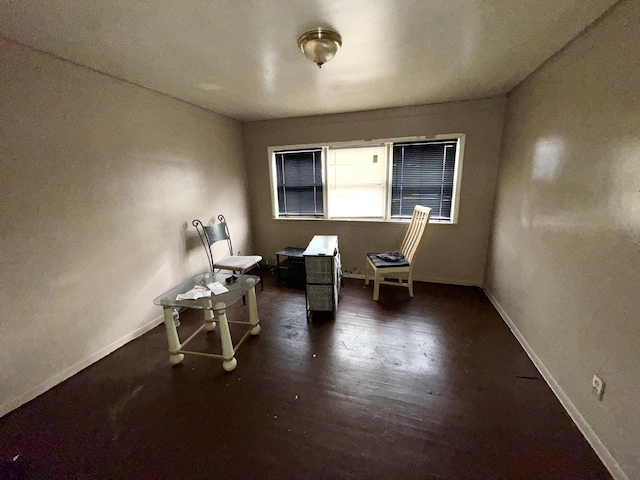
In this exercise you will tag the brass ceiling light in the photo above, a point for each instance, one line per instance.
(320, 45)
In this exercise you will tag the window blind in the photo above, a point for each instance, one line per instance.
(423, 174)
(299, 183)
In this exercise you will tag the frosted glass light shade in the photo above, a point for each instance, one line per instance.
(320, 45)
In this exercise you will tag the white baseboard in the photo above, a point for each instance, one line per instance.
(72, 370)
(353, 275)
(421, 279)
(574, 413)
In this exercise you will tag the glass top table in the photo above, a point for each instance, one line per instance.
(205, 292)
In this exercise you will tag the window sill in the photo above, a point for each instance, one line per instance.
(359, 220)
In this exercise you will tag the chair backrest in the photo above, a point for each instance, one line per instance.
(210, 234)
(414, 234)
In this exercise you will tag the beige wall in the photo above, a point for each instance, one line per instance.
(564, 260)
(462, 246)
(100, 179)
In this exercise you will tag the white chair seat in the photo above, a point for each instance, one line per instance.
(240, 263)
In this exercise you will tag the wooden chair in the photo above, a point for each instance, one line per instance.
(398, 271)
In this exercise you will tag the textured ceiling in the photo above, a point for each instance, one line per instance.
(240, 57)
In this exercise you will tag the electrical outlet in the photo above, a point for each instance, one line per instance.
(598, 386)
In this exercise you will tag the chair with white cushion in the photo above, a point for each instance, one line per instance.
(398, 267)
(210, 234)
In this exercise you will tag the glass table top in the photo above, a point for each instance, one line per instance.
(204, 282)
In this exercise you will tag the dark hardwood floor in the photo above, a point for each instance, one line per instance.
(426, 388)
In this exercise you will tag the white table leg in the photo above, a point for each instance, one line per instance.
(209, 324)
(172, 337)
(253, 312)
(229, 362)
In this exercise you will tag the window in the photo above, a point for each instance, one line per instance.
(300, 186)
(378, 180)
(423, 174)
(357, 181)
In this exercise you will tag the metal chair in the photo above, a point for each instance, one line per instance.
(402, 269)
(210, 234)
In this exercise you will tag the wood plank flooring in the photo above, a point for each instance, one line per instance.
(434, 387)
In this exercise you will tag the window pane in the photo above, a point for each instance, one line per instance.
(299, 183)
(423, 174)
(357, 182)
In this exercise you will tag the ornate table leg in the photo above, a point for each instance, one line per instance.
(172, 337)
(209, 324)
(229, 362)
(253, 312)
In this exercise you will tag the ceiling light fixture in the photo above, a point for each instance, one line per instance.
(320, 45)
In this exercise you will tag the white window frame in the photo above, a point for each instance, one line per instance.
(325, 146)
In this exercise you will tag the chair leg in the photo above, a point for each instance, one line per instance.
(376, 285)
(410, 283)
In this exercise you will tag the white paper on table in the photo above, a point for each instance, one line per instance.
(194, 294)
(217, 288)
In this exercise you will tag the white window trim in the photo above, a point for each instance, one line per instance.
(325, 146)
